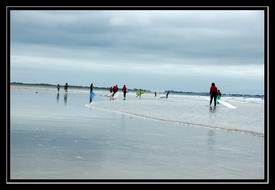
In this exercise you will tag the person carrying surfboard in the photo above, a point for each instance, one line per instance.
(219, 95)
(167, 94)
(124, 90)
(213, 94)
(115, 89)
(91, 92)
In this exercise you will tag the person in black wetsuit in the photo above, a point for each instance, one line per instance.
(66, 87)
(124, 90)
(167, 94)
(58, 87)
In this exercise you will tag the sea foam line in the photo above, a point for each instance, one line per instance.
(254, 133)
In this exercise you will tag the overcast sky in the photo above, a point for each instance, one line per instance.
(155, 50)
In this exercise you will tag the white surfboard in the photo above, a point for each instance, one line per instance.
(226, 104)
(116, 95)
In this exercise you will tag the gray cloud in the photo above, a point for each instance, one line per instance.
(229, 43)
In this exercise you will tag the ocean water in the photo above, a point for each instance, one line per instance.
(62, 136)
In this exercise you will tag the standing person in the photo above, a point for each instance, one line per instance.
(111, 89)
(124, 90)
(155, 94)
(58, 87)
(91, 87)
(66, 87)
(167, 94)
(219, 95)
(139, 93)
(115, 89)
(91, 92)
(213, 94)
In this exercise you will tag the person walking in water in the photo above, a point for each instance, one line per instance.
(167, 94)
(219, 95)
(213, 94)
(115, 89)
(91, 92)
(58, 87)
(124, 90)
(139, 93)
(155, 94)
(66, 87)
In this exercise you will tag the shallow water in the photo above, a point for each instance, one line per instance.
(58, 136)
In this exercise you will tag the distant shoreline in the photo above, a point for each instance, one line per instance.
(135, 90)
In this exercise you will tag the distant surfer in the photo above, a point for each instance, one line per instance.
(111, 89)
(91, 87)
(115, 89)
(219, 96)
(66, 87)
(124, 90)
(167, 94)
(58, 87)
(139, 93)
(155, 94)
(213, 94)
(91, 92)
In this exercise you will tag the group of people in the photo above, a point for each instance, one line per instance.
(214, 92)
(114, 89)
(65, 87)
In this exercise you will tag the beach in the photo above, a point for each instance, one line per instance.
(62, 136)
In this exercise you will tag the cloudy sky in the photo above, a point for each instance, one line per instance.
(156, 50)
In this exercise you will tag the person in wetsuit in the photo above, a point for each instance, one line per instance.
(167, 94)
(115, 89)
(213, 93)
(66, 87)
(124, 90)
(58, 87)
(91, 92)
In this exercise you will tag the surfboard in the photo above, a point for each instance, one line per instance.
(92, 94)
(116, 95)
(226, 104)
(140, 92)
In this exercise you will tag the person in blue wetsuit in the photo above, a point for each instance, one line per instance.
(91, 92)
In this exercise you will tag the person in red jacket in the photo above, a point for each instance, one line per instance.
(115, 89)
(213, 93)
(124, 90)
(111, 89)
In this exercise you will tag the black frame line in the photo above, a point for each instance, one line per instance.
(141, 181)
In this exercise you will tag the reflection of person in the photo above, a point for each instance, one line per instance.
(66, 87)
(65, 98)
(167, 94)
(57, 97)
(213, 93)
(124, 90)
